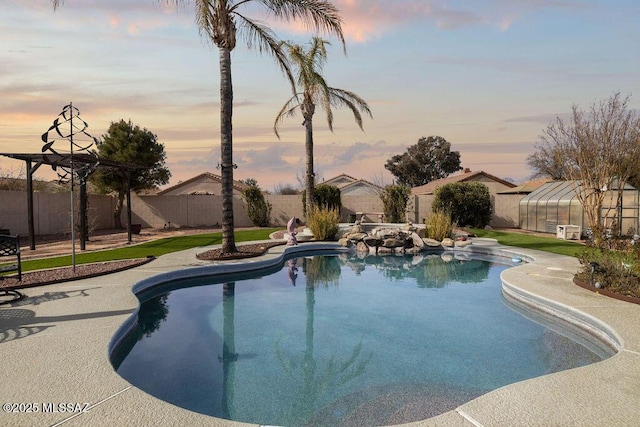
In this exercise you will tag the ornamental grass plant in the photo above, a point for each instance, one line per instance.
(323, 223)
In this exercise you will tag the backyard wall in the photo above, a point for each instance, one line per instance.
(51, 210)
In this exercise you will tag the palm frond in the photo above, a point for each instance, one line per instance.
(321, 15)
(259, 35)
(288, 110)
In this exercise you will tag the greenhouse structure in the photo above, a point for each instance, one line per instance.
(555, 208)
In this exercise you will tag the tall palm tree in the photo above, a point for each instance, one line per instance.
(222, 22)
(312, 90)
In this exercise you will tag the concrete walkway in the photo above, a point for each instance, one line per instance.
(53, 348)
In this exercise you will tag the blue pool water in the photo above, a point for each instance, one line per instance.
(339, 340)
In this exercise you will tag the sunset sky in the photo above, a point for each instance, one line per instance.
(487, 75)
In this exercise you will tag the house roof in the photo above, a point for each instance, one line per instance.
(527, 187)
(360, 183)
(351, 182)
(342, 177)
(237, 185)
(467, 175)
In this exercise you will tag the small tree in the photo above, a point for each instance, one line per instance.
(257, 208)
(596, 150)
(394, 199)
(468, 203)
(285, 189)
(129, 144)
(325, 196)
(430, 159)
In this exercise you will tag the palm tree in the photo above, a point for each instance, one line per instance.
(222, 22)
(313, 90)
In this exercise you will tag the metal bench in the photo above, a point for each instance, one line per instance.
(10, 246)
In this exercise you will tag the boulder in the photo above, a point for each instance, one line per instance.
(362, 247)
(447, 243)
(392, 243)
(431, 242)
(462, 243)
(345, 242)
(372, 242)
(358, 228)
(417, 240)
(356, 237)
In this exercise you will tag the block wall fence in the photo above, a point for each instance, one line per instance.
(52, 211)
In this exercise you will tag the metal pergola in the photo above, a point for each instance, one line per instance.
(34, 161)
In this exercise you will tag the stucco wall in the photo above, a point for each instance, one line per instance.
(51, 210)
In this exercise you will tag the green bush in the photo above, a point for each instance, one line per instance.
(439, 226)
(323, 223)
(617, 270)
(468, 203)
(257, 208)
(395, 198)
(324, 196)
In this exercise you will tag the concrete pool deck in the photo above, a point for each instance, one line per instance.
(54, 350)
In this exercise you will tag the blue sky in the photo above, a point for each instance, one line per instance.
(487, 75)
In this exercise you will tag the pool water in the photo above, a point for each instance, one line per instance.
(339, 340)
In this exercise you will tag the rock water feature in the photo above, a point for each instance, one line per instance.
(394, 238)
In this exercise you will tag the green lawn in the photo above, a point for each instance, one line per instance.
(521, 240)
(152, 248)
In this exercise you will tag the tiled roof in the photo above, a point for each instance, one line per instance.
(430, 187)
(236, 184)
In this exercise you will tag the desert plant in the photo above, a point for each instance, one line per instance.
(323, 222)
(438, 225)
(257, 208)
(394, 199)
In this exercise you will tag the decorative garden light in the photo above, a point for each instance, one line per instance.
(67, 125)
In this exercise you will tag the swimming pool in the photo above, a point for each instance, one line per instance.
(338, 340)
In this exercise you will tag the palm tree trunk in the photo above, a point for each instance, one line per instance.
(226, 148)
(308, 125)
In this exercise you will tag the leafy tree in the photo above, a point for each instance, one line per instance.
(129, 144)
(325, 196)
(311, 90)
(395, 199)
(468, 203)
(251, 182)
(286, 189)
(430, 159)
(222, 22)
(595, 149)
(257, 208)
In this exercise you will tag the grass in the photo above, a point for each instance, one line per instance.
(143, 250)
(528, 241)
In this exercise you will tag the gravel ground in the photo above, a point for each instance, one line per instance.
(64, 274)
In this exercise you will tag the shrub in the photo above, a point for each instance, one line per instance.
(257, 208)
(439, 226)
(395, 198)
(468, 203)
(323, 223)
(616, 270)
(324, 196)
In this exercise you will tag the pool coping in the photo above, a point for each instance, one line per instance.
(54, 346)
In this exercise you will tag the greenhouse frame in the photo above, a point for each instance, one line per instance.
(554, 206)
